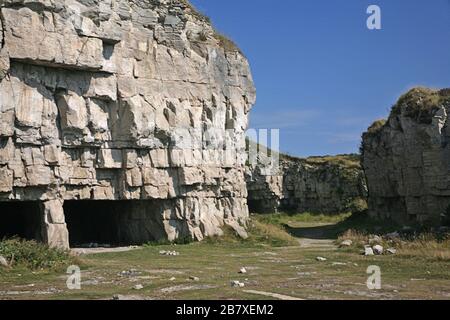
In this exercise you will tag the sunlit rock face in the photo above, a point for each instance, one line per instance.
(131, 100)
(406, 160)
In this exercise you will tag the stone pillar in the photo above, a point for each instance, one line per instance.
(54, 228)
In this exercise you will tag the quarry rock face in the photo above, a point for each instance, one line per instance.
(317, 185)
(406, 160)
(138, 102)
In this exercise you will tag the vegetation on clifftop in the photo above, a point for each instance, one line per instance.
(421, 103)
(224, 42)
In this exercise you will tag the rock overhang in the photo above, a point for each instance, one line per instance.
(123, 100)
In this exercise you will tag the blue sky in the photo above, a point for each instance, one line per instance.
(321, 76)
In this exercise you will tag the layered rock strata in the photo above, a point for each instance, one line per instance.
(318, 185)
(406, 160)
(140, 101)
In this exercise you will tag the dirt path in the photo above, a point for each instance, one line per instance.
(84, 251)
(272, 295)
(314, 236)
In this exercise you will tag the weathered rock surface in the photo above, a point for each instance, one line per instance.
(406, 160)
(123, 100)
(318, 185)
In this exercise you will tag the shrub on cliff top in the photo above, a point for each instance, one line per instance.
(195, 12)
(421, 103)
(224, 42)
(376, 126)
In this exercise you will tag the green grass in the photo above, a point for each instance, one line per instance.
(34, 256)
(275, 260)
(283, 219)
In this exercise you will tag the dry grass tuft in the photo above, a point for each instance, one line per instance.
(421, 103)
(425, 246)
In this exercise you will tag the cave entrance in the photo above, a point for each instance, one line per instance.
(92, 223)
(21, 219)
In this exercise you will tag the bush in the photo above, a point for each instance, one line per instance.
(358, 205)
(421, 103)
(33, 255)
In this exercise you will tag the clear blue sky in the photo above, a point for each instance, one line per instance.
(321, 76)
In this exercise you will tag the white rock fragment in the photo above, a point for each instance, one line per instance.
(169, 253)
(321, 259)
(368, 251)
(3, 262)
(237, 284)
(391, 251)
(378, 249)
(346, 243)
(243, 270)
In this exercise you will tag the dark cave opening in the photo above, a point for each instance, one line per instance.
(20, 219)
(93, 222)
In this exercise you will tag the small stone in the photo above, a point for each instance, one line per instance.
(173, 279)
(346, 243)
(237, 284)
(321, 259)
(378, 249)
(129, 273)
(391, 251)
(243, 270)
(368, 251)
(194, 278)
(138, 287)
(169, 253)
(339, 264)
(92, 282)
(3, 262)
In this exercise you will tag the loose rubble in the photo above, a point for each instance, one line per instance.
(169, 253)
(237, 284)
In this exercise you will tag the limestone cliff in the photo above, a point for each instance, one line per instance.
(318, 185)
(406, 160)
(127, 100)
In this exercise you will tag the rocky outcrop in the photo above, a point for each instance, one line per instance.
(318, 185)
(129, 100)
(406, 160)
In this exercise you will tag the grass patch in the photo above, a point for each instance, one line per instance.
(34, 256)
(430, 246)
(426, 246)
(261, 233)
(421, 103)
(376, 126)
(271, 234)
(283, 219)
(346, 160)
(226, 43)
